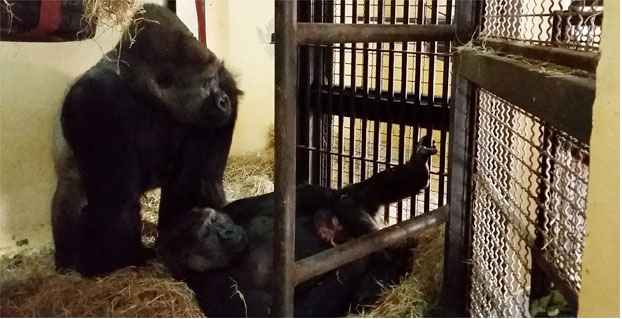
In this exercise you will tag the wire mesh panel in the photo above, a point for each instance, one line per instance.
(368, 103)
(574, 24)
(529, 201)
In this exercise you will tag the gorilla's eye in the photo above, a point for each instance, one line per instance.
(165, 80)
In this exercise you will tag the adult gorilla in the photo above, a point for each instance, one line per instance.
(158, 110)
(226, 257)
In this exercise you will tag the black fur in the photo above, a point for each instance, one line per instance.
(242, 285)
(158, 110)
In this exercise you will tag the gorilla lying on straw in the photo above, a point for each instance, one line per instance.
(226, 257)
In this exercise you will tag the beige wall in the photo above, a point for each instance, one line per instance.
(33, 81)
(600, 291)
(238, 31)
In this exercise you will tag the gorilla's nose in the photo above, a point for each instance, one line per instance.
(230, 233)
(223, 103)
(233, 236)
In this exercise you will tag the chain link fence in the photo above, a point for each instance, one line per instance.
(560, 23)
(529, 201)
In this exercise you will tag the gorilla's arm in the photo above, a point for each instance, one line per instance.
(357, 205)
(197, 181)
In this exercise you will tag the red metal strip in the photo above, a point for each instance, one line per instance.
(50, 17)
(200, 4)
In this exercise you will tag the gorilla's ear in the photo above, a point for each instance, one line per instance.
(328, 227)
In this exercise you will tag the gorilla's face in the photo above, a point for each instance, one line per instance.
(199, 94)
(205, 240)
(215, 240)
(165, 62)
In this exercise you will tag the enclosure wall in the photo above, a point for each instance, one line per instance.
(239, 32)
(600, 293)
(33, 82)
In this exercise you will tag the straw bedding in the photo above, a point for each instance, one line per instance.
(29, 285)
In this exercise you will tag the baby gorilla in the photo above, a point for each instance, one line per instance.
(226, 257)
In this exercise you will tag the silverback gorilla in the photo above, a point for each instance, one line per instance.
(157, 111)
(225, 255)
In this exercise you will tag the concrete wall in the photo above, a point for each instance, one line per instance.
(36, 76)
(33, 82)
(600, 292)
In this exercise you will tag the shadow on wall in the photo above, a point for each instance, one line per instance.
(30, 96)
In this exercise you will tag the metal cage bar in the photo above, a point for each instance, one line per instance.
(456, 279)
(286, 70)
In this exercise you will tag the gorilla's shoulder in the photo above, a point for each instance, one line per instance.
(99, 81)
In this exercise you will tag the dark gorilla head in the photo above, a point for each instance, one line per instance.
(205, 239)
(160, 56)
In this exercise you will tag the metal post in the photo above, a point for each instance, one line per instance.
(286, 70)
(454, 300)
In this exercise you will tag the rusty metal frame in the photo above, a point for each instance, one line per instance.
(317, 33)
(456, 281)
(559, 98)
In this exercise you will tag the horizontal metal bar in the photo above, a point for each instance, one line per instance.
(583, 60)
(412, 112)
(334, 258)
(314, 33)
(563, 100)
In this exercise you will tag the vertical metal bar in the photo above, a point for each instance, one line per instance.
(414, 196)
(432, 55)
(446, 58)
(327, 16)
(454, 297)
(417, 93)
(390, 91)
(352, 98)
(376, 149)
(286, 70)
(318, 109)
(342, 64)
(365, 95)
(445, 102)
(441, 170)
(403, 98)
(418, 68)
(426, 192)
(305, 117)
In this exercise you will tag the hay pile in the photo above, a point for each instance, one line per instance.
(418, 293)
(29, 285)
(30, 288)
(110, 12)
